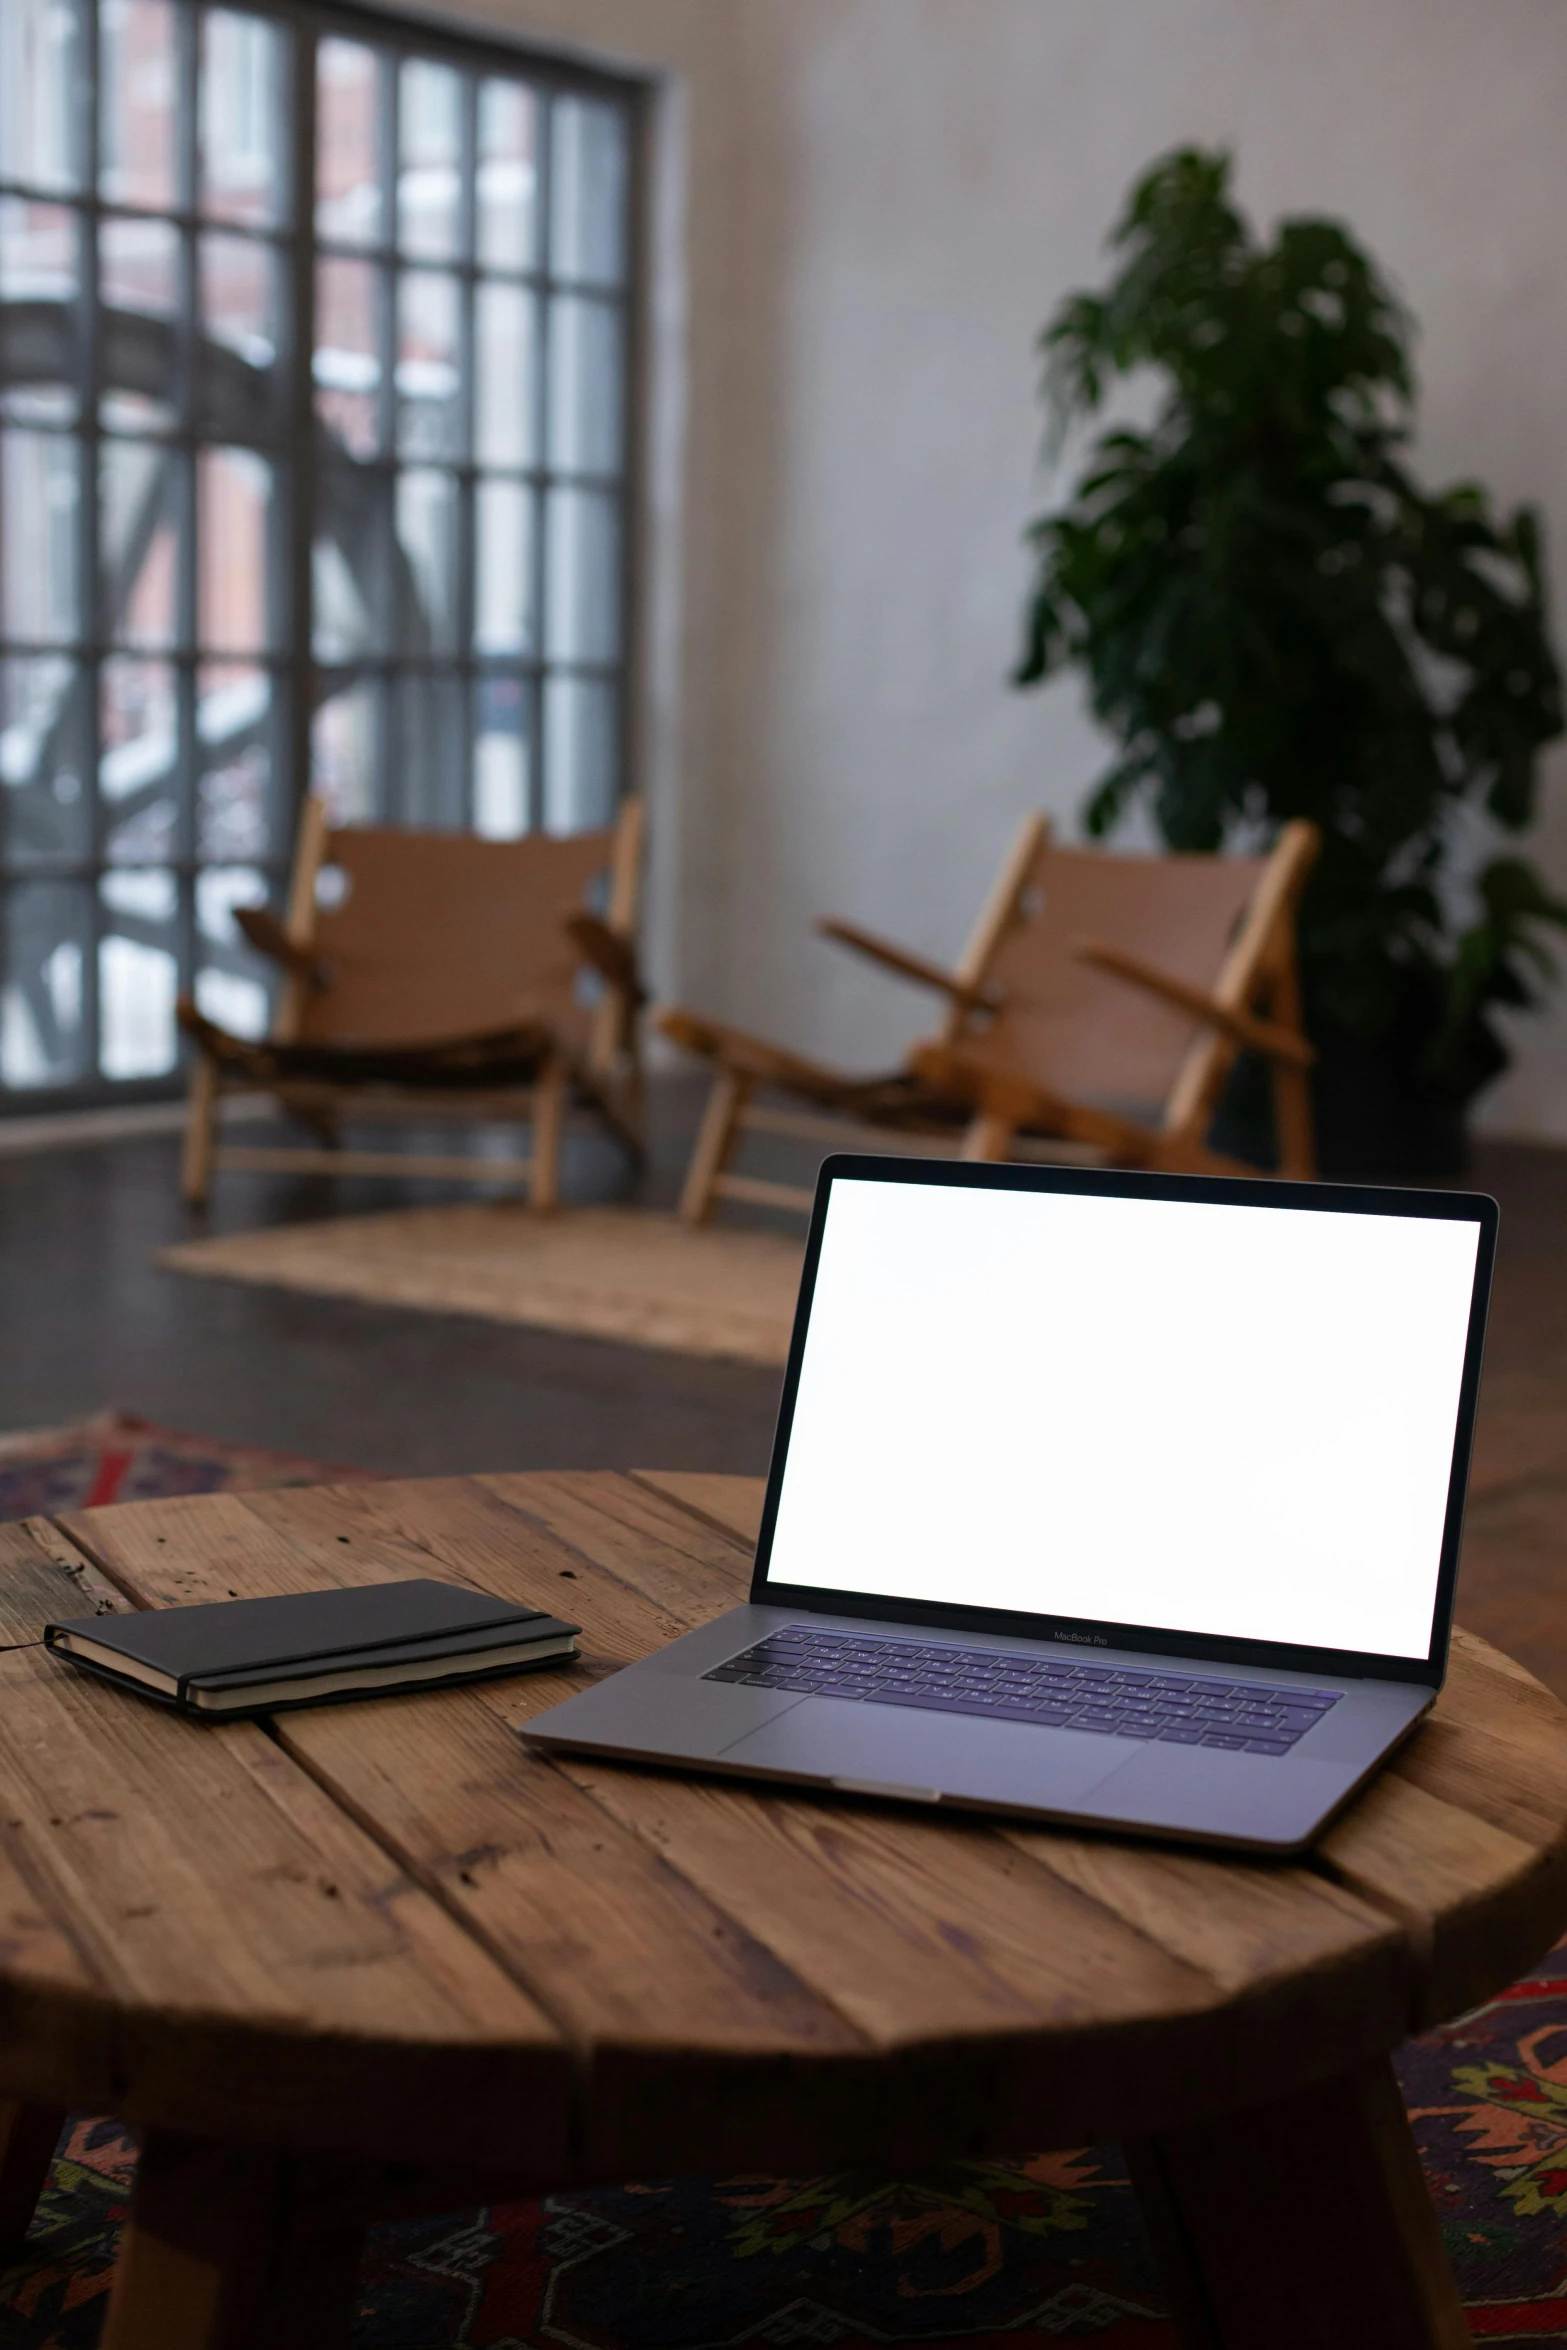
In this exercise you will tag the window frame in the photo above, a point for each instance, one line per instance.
(291, 660)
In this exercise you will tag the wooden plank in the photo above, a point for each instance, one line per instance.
(42, 1578)
(733, 1504)
(202, 1938)
(235, 2248)
(297, 1538)
(1257, 1929)
(1478, 1903)
(1026, 2009)
(29, 2135)
(639, 1969)
(693, 1570)
(1300, 2223)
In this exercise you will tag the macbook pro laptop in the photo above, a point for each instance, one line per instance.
(1132, 1501)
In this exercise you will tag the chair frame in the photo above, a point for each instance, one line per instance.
(991, 1112)
(607, 1077)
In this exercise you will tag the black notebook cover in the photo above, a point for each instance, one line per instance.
(262, 1638)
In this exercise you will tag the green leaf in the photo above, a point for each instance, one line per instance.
(1274, 618)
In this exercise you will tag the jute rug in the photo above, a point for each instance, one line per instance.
(622, 1273)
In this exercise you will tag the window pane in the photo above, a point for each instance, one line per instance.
(48, 929)
(501, 758)
(503, 567)
(234, 784)
(234, 983)
(588, 191)
(342, 751)
(38, 494)
(503, 429)
(242, 175)
(582, 754)
(426, 572)
(137, 973)
(146, 793)
(239, 353)
(138, 510)
(582, 591)
(347, 370)
(507, 187)
(429, 414)
(137, 129)
(136, 771)
(586, 372)
(43, 761)
(429, 178)
(38, 265)
(428, 779)
(39, 63)
(350, 561)
(138, 264)
(348, 136)
(234, 497)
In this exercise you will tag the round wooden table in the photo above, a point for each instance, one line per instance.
(381, 1957)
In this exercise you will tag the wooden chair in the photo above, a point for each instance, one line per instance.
(442, 979)
(1101, 1004)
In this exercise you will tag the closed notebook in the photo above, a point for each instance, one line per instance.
(238, 1656)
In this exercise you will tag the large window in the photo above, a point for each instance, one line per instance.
(314, 340)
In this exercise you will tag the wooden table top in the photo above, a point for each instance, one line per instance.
(389, 1928)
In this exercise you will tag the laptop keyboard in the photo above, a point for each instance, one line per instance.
(1177, 1709)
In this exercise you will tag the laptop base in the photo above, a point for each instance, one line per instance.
(663, 1711)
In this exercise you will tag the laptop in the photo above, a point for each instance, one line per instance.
(1126, 1501)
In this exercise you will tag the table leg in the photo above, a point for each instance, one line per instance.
(29, 2135)
(236, 2248)
(1304, 2225)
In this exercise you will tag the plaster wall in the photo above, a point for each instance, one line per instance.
(865, 210)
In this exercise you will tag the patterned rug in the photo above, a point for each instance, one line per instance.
(116, 1456)
(983, 2254)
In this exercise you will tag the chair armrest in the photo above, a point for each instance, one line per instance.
(611, 954)
(267, 935)
(1245, 1028)
(908, 966)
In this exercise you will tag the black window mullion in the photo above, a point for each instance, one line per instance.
(294, 717)
(89, 584)
(538, 599)
(465, 551)
(387, 772)
(187, 629)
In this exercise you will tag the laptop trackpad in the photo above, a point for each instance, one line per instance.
(927, 1754)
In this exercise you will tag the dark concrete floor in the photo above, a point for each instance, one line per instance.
(88, 1320)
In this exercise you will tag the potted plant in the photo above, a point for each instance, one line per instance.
(1275, 619)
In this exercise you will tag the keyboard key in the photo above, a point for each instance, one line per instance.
(1175, 1709)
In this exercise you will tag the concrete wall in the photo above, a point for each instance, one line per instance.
(867, 209)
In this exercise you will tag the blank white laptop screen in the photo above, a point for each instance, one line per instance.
(1221, 1420)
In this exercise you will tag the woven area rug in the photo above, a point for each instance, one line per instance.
(116, 1456)
(985, 2254)
(624, 1273)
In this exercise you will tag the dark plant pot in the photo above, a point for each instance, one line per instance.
(1374, 1122)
